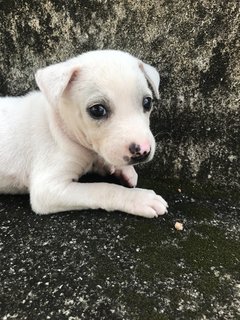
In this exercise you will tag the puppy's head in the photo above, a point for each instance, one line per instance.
(105, 102)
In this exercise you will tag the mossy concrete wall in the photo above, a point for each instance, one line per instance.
(194, 44)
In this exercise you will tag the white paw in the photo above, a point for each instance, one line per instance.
(145, 203)
(127, 175)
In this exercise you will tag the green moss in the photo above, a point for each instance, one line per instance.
(144, 307)
(194, 211)
(207, 246)
(196, 190)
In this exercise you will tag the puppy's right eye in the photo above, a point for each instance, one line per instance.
(147, 104)
(98, 111)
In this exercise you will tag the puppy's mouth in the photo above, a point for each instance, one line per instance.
(137, 158)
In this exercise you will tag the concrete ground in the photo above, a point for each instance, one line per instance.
(98, 265)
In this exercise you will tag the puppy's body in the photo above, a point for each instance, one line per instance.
(88, 117)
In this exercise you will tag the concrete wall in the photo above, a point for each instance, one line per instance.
(194, 44)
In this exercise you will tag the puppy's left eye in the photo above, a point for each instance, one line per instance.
(147, 104)
(98, 111)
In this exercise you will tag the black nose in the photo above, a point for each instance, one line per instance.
(137, 156)
(135, 149)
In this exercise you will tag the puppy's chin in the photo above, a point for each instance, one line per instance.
(135, 161)
(128, 160)
(113, 161)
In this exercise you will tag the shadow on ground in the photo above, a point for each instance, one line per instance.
(98, 265)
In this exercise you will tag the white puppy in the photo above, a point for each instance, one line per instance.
(92, 114)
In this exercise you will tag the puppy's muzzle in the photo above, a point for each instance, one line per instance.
(139, 153)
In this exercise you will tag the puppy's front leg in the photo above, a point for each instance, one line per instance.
(51, 198)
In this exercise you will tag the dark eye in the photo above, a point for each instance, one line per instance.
(147, 103)
(98, 111)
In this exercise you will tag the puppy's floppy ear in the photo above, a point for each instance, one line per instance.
(151, 75)
(55, 79)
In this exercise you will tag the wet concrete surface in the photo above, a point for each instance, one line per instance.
(98, 265)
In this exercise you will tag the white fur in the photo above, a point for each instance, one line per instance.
(48, 139)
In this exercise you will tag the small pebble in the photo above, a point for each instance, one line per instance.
(178, 226)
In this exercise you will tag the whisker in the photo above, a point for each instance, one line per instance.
(162, 133)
